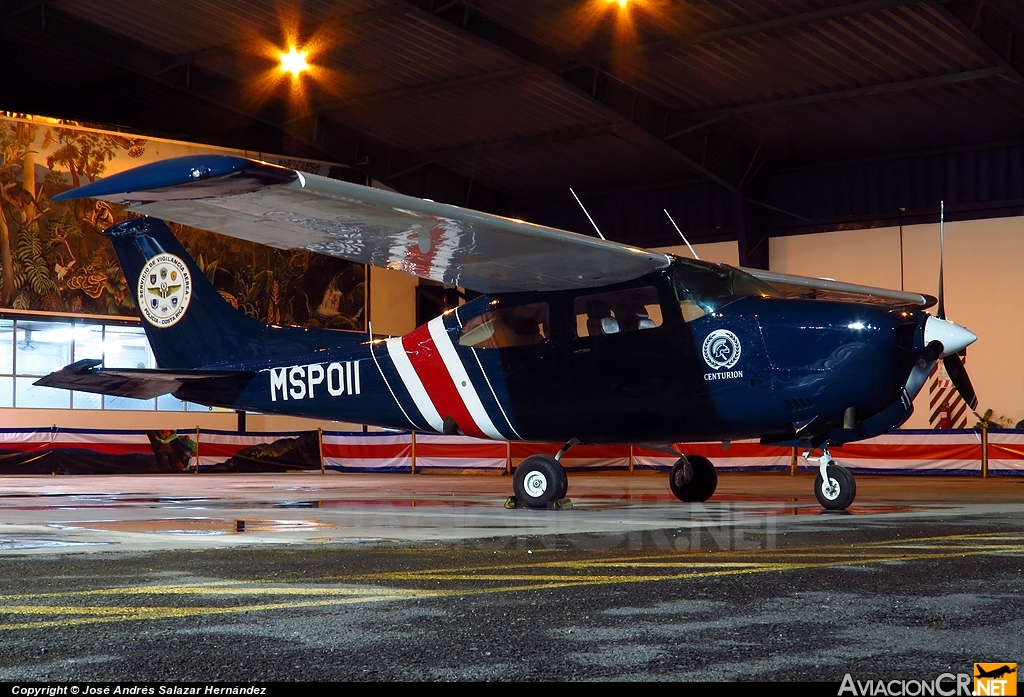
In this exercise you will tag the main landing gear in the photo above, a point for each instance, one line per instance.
(834, 486)
(540, 482)
(693, 478)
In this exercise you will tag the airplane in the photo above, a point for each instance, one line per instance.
(574, 340)
(995, 673)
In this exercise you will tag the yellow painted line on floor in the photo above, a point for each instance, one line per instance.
(126, 614)
(256, 588)
(530, 575)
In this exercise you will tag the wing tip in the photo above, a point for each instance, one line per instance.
(187, 177)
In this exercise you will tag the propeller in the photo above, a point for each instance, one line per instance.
(944, 339)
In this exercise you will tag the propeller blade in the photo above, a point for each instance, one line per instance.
(917, 378)
(958, 376)
(942, 246)
(931, 352)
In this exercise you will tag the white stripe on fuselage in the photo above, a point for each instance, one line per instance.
(413, 383)
(457, 371)
(388, 385)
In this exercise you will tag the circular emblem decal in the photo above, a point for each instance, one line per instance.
(165, 288)
(721, 349)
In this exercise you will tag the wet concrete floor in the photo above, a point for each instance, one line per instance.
(352, 577)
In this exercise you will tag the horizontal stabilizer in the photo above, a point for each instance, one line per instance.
(136, 383)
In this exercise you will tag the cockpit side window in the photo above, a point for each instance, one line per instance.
(524, 325)
(702, 287)
(627, 310)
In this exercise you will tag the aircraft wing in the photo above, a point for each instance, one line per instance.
(283, 208)
(85, 376)
(827, 289)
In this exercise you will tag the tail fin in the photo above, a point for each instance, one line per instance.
(188, 323)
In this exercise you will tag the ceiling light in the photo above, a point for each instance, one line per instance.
(294, 62)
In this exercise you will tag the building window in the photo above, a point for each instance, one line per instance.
(32, 348)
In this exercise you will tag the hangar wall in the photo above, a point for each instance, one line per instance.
(983, 287)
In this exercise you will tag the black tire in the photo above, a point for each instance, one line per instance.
(538, 481)
(701, 486)
(843, 488)
(563, 482)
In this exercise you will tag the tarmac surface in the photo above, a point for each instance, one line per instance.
(429, 577)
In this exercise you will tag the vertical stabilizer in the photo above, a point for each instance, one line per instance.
(188, 323)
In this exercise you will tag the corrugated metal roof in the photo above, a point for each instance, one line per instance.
(531, 97)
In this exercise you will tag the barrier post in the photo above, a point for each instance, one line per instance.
(508, 457)
(197, 450)
(793, 466)
(320, 442)
(413, 433)
(984, 449)
(631, 459)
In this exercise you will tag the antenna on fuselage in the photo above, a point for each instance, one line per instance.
(585, 213)
(688, 246)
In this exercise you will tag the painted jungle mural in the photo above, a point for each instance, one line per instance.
(54, 259)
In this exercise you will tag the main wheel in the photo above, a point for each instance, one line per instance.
(702, 482)
(840, 491)
(539, 480)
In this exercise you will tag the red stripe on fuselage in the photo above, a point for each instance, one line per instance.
(437, 381)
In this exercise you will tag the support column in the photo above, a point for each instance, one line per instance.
(751, 234)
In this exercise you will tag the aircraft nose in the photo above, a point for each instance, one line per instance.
(952, 336)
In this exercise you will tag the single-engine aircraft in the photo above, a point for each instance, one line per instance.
(574, 340)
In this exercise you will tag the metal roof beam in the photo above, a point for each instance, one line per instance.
(978, 44)
(506, 75)
(710, 117)
(92, 44)
(798, 20)
(336, 23)
(13, 8)
(500, 37)
(525, 142)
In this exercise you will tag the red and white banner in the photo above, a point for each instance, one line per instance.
(1005, 451)
(111, 442)
(367, 452)
(912, 451)
(902, 451)
(741, 455)
(216, 447)
(434, 452)
(579, 457)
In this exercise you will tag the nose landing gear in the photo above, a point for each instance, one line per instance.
(834, 485)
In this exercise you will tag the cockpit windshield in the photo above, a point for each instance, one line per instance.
(702, 287)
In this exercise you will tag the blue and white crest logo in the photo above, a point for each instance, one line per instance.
(164, 290)
(721, 349)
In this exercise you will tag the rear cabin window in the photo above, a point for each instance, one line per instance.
(620, 311)
(524, 325)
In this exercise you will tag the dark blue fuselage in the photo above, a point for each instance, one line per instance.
(755, 367)
(695, 351)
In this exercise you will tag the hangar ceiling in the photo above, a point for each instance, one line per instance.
(749, 117)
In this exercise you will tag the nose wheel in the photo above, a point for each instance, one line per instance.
(834, 486)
